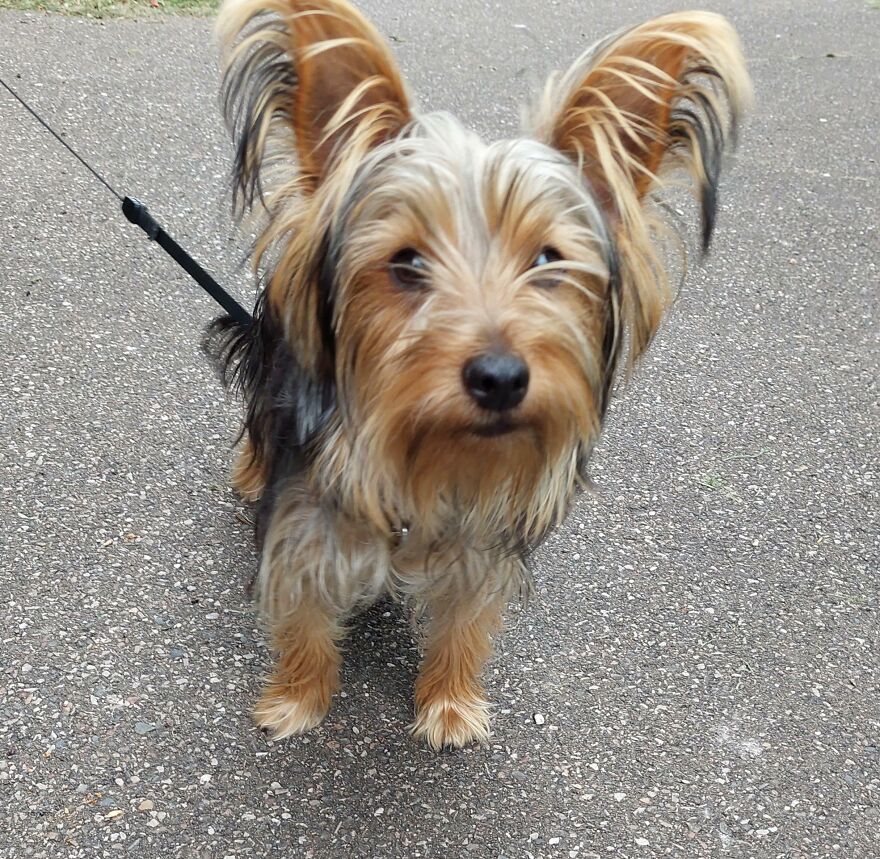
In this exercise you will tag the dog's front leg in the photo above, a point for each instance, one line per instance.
(301, 590)
(306, 673)
(451, 707)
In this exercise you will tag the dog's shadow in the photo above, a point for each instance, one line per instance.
(380, 661)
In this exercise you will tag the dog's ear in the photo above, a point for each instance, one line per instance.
(662, 96)
(314, 73)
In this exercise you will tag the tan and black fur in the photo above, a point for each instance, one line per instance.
(395, 247)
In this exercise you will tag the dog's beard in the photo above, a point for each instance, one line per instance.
(455, 472)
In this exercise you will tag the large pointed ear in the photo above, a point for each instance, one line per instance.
(631, 112)
(314, 74)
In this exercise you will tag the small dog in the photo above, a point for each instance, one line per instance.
(441, 322)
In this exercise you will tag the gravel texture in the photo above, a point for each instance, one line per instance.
(697, 675)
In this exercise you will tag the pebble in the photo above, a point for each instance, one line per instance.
(146, 805)
(539, 719)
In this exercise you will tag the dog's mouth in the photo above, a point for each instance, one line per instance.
(502, 426)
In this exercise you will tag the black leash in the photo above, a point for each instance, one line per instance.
(138, 214)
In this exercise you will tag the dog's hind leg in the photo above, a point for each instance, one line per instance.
(248, 473)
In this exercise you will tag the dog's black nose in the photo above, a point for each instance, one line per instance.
(496, 381)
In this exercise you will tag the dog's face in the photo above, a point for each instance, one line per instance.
(472, 310)
(467, 302)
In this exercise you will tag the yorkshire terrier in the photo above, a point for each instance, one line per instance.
(440, 323)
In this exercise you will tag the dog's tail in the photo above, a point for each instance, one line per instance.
(238, 351)
(226, 342)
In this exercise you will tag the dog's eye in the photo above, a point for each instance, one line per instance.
(545, 257)
(409, 269)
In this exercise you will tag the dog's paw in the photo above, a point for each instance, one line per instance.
(454, 723)
(283, 713)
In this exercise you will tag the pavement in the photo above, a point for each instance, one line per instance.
(697, 673)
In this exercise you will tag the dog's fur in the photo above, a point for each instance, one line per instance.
(396, 246)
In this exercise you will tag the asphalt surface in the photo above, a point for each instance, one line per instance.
(697, 674)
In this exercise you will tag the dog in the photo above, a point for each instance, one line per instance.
(440, 324)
